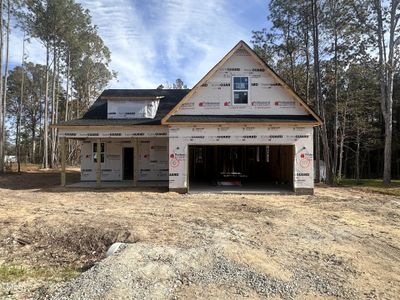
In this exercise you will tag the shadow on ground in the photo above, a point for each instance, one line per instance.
(49, 181)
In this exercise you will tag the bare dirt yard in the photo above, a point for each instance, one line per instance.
(340, 243)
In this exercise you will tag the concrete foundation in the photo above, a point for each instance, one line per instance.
(304, 191)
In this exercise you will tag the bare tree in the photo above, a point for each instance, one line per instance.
(19, 112)
(4, 99)
(2, 111)
(387, 66)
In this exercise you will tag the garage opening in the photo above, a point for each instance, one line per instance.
(239, 168)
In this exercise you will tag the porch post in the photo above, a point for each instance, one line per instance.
(135, 161)
(98, 163)
(63, 175)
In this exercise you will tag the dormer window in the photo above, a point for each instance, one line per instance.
(132, 107)
(240, 90)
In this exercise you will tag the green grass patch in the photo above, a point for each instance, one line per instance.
(374, 185)
(17, 273)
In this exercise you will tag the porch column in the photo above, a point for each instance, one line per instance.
(98, 163)
(63, 175)
(135, 161)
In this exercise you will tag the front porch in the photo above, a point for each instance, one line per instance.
(118, 158)
(159, 185)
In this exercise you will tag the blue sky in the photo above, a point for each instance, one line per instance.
(155, 42)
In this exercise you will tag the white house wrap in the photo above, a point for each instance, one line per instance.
(240, 127)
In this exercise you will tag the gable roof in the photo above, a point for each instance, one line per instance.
(97, 113)
(167, 118)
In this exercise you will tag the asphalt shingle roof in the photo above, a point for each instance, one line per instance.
(97, 113)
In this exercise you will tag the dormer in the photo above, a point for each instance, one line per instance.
(144, 107)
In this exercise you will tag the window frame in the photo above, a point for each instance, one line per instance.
(233, 90)
(102, 154)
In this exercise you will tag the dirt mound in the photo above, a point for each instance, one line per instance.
(81, 244)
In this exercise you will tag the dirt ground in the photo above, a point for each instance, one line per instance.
(339, 243)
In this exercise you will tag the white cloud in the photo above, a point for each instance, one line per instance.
(157, 41)
(153, 41)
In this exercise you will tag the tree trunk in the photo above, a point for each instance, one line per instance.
(67, 97)
(318, 95)
(306, 35)
(307, 50)
(18, 135)
(342, 139)
(33, 131)
(4, 99)
(336, 122)
(316, 59)
(358, 156)
(46, 112)
(2, 110)
(53, 108)
(386, 73)
(57, 112)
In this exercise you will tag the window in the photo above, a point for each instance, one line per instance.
(240, 90)
(101, 152)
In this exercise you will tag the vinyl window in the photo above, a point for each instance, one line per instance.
(102, 151)
(240, 89)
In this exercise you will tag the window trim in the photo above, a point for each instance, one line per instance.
(233, 91)
(101, 153)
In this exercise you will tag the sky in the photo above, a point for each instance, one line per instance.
(154, 42)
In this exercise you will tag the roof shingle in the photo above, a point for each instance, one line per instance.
(97, 113)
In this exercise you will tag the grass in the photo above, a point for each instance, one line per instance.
(18, 273)
(374, 185)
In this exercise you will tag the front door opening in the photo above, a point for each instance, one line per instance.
(258, 168)
(128, 163)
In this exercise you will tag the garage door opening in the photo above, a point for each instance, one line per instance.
(255, 168)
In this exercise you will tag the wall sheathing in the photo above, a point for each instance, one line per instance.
(266, 96)
(150, 146)
(180, 137)
(152, 159)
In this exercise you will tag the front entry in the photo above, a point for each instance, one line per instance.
(128, 163)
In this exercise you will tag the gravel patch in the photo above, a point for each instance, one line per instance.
(143, 271)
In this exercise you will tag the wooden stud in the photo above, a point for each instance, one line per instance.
(63, 173)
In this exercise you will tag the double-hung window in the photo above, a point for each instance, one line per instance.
(240, 90)
(101, 152)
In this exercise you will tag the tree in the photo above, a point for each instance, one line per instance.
(31, 105)
(2, 112)
(387, 67)
(3, 98)
(65, 30)
(178, 85)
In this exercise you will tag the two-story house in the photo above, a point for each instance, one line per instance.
(240, 129)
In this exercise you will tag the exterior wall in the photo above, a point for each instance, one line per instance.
(152, 159)
(132, 109)
(266, 96)
(181, 137)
